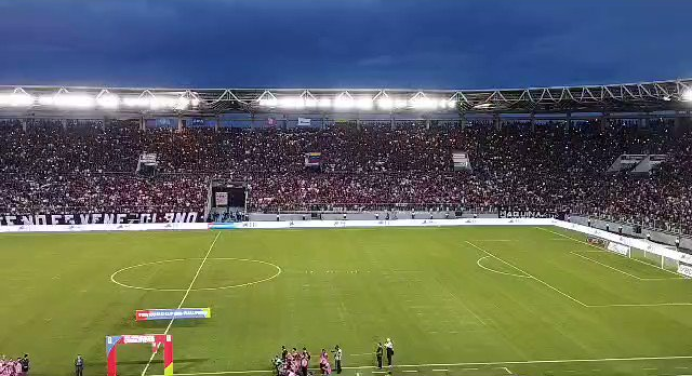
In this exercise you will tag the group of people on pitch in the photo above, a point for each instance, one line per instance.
(297, 363)
(19, 367)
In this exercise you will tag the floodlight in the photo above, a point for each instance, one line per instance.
(17, 100)
(110, 101)
(182, 103)
(311, 102)
(687, 95)
(324, 103)
(46, 100)
(364, 103)
(74, 101)
(289, 102)
(164, 102)
(423, 103)
(401, 103)
(268, 102)
(385, 103)
(343, 103)
(136, 101)
(195, 102)
(451, 104)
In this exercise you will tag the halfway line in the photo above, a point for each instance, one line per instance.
(189, 288)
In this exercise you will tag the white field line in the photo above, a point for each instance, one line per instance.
(505, 363)
(530, 276)
(622, 271)
(192, 283)
(474, 314)
(601, 250)
(498, 271)
(681, 304)
(607, 266)
(506, 370)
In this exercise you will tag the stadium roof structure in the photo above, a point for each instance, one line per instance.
(674, 95)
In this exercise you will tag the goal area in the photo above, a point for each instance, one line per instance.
(650, 256)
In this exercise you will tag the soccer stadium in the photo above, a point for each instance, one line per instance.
(345, 188)
(500, 232)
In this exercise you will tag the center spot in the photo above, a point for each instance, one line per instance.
(176, 274)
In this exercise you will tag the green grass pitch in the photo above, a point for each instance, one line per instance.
(455, 301)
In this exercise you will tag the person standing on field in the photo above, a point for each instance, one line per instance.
(338, 354)
(389, 347)
(25, 364)
(79, 366)
(379, 353)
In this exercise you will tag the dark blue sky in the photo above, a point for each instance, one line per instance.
(349, 43)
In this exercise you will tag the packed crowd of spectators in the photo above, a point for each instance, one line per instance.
(88, 167)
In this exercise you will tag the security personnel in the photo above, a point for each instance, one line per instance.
(379, 352)
(338, 355)
(79, 366)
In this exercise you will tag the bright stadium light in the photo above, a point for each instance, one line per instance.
(291, 102)
(74, 101)
(268, 102)
(164, 102)
(46, 100)
(109, 101)
(423, 103)
(401, 103)
(17, 99)
(182, 103)
(136, 101)
(364, 103)
(324, 102)
(310, 102)
(344, 102)
(451, 104)
(687, 95)
(385, 103)
(195, 102)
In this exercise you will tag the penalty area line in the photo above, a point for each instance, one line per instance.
(546, 284)
(187, 293)
(505, 363)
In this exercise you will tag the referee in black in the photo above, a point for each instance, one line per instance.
(379, 352)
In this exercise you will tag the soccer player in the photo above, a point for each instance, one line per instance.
(389, 346)
(338, 354)
(305, 362)
(284, 353)
(379, 352)
(79, 366)
(25, 364)
(325, 367)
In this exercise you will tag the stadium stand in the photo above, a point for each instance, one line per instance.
(89, 167)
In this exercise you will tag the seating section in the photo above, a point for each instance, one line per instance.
(88, 167)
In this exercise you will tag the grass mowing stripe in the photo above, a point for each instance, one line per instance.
(546, 284)
(189, 288)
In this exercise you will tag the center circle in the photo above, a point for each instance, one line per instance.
(220, 273)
